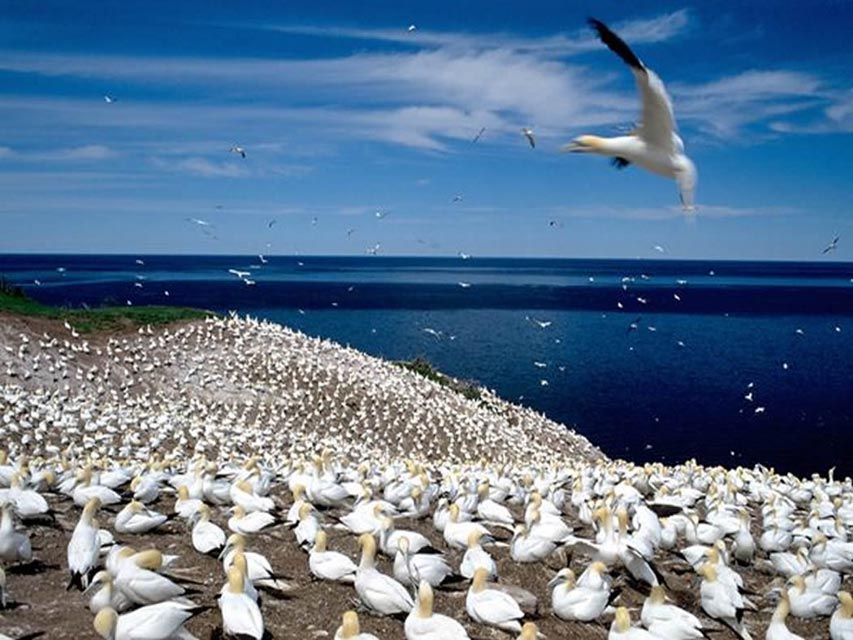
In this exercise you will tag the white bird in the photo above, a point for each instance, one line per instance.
(135, 518)
(330, 565)
(654, 145)
(110, 99)
(492, 607)
(621, 629)
(207, 536)
(778, 630)
(528, 133)
(350, 629)
(160, 621)
(14, 546)
(832, 246)
(238, 149)
(412, 568)
(721, 602)
(423, 624)
(669, 621)
(585, 602)
(241, 616)
(84, 546)
(380, 593)
(841, 623)
(476, 557)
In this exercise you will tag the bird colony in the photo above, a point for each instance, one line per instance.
(232, 478)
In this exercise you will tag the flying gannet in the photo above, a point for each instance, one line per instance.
(653, 145)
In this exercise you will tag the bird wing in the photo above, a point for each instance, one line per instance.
(657, 123)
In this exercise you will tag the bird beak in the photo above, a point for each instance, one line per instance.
(553, 582)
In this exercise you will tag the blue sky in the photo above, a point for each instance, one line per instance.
(343, 112)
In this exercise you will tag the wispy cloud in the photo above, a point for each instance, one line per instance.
(668, 213)
(83, 153)
(205, 168)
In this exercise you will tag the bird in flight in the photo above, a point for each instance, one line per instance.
(479, 135)
(198, 221)
(381, 214)
(528, 133)
(653, 145)
(411, 28)
(457, 198)
(271, 223)
(110, 99)
(659, 248)
(238, 149)
(832, 246)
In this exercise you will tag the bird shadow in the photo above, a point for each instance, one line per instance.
(219, 634)
(34, 567)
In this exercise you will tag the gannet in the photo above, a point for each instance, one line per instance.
(163, 620)
(238, 149)
(249, 523)
(257, 568)
(135, 518)
(14, 546)
(350, 629)
(423, 624)
(492, 607)
(528, 133)
(669, 621)
(378, 592)
(241, 616)
(529, 631)
(586, 602)
(84, 546)
(841, 623)
(621, 629)
(720, 602)
(778, 630)
(411, 568)
(476, 557)
(808, 603)
(106, 594)
(4, 594)
(207, 536)
(654, 145)
(330, 565)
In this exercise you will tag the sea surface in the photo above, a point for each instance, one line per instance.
(725, 362)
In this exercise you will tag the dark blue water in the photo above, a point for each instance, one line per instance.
(670, 389)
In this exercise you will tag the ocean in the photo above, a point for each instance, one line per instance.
(725, 362)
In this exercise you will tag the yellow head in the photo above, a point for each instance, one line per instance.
(350, 627)
(105, 623)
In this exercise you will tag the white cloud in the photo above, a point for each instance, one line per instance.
(668, 213)
(81, 153)
(205, 168)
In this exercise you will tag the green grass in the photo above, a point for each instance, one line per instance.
(14, 300)
(423, 367)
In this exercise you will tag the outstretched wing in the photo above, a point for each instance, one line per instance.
(657, 121)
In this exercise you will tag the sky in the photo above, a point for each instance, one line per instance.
(344, 111)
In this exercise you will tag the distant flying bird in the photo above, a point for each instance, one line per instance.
(272, 223)
(411, 28)
(374, 249)
(314, 220)
(555, 224)
(239, 274)
(457, 198)
(464, 285)
(479, 135)
(659, 248)
(38, 284)
(832, 246)
(198, 221)
(262, 259)
(350, 232)
(381, 214)
(634, 325)
(139, 262)
(528, 133)
(654, 145)
(110, 99)
(238, 149)
(542, 324)
(464, 256)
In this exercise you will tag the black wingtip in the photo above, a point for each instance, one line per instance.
(616, 44)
